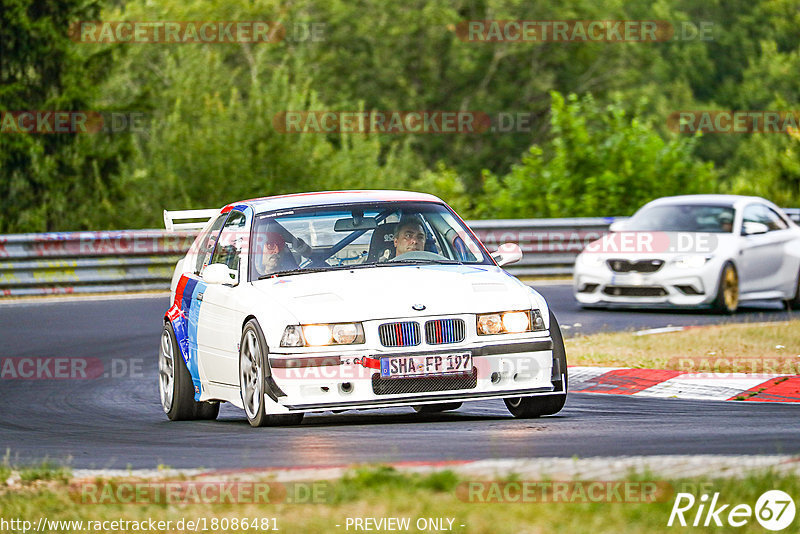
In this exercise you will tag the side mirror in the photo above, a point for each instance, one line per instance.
(754, 228)
(218, 273)
(507, 253)
(616, 226)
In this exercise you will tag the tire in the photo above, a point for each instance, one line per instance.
(253, 372)
(530, 407)
(727, 299)
(794, 303)
(437, 408)
(175, 384)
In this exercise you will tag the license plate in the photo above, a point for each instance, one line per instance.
(633, 279)
(426, 364)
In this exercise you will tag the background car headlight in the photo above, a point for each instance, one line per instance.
(690, 262)
(510, 322)
(319, 335)
(591, 261)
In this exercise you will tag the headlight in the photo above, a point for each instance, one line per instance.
(591, 261)
(319, 335)
(510, 322)
(690, 262)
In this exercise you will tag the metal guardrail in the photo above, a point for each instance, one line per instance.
(89, 262)
(140, 260)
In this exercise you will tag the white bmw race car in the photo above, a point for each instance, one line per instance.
(351, 300)
(694, 250)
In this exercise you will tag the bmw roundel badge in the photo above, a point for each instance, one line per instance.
(418, 307)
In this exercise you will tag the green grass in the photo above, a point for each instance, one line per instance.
(381, 491)
(743, 348)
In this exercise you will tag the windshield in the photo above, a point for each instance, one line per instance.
(677, 218)
(359, 235)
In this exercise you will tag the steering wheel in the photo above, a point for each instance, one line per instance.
(422, 255)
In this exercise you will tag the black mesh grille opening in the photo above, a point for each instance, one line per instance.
(689, 290)
(634, 291)
(641, 266)
(588, 288)
(399, 386)
(444, 331)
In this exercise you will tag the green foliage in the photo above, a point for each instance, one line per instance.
(387, 479)
(52, 181)
(601, 160)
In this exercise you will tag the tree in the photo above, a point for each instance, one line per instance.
(599, 160)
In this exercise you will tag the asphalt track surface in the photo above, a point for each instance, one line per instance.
(117, 421)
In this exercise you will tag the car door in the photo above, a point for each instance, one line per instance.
(762, 262)
(218, 339)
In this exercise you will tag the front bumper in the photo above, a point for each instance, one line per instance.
(325, 381)
(667, 287)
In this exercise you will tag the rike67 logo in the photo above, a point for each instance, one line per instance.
(774, 510)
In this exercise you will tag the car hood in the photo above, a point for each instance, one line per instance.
(390, 292)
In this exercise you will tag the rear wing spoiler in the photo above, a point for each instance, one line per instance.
(199, 219)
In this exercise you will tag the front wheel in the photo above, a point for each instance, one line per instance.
(253, 369)
(727, 290)
(529, 407)
(175, 384)
(794, 303)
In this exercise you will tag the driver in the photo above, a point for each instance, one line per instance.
(725, 221)
(274, 256)
(409, 236)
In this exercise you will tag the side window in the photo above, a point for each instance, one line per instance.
(206, 244)
(776, 222)
(764, 215)
(230, 244)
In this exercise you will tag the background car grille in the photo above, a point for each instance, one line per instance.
(443, 331)
(405, 334)
(634, 291)
(397, 386)
(641, 266)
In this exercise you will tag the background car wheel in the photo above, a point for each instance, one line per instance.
(528, 407)
(436, 408)
(727, 290)
(794, 303)
(175, 383)
(253, 369)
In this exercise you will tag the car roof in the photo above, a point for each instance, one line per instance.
(324, 198)
(720, 200)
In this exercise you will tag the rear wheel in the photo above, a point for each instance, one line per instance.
(253, 369)
(436, 408)
(529, 407)
(175, 383)
(727, 290)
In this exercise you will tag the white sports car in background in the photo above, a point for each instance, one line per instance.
(351, 300)
(694, 250)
